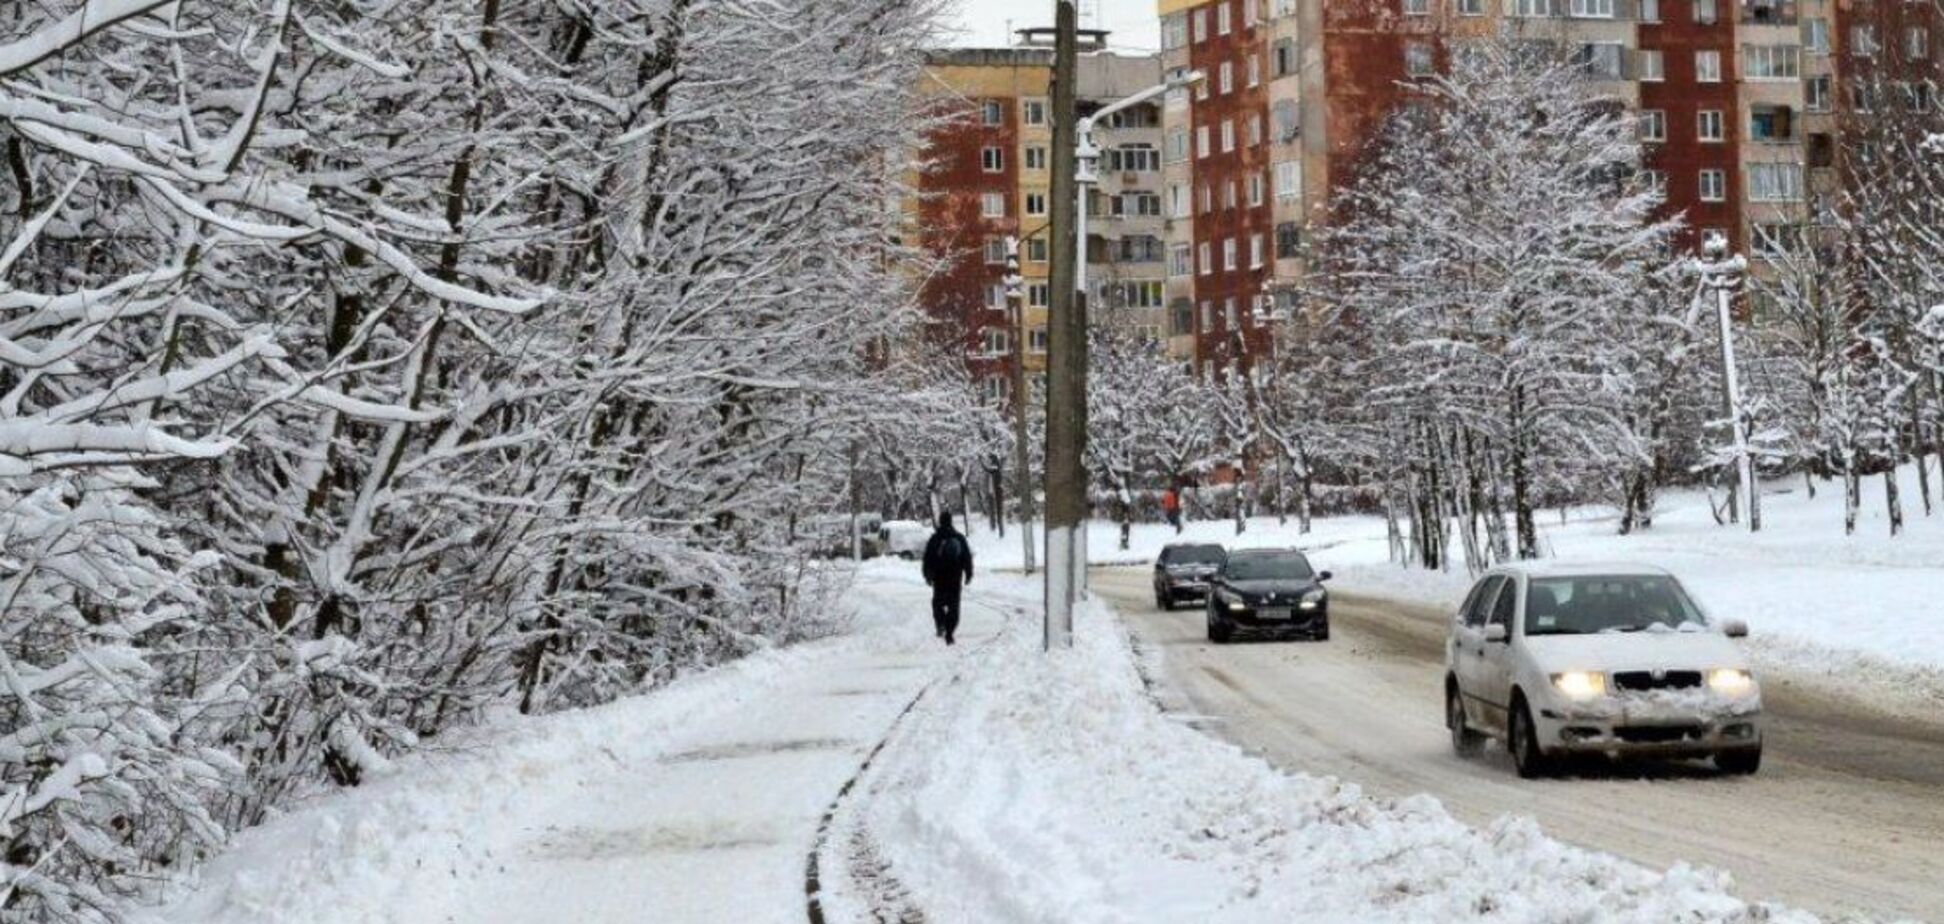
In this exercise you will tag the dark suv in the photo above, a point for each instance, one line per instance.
(1183, 572)
(1274, 590)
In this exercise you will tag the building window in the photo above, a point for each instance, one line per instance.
(1815, 93)
(1592, 9)
(1039, 295)
(1418, 60)
(1417, 7)
(993, 160)
(1775, 182)
(993, 205)
(995, 251)
(1224, 18)
(1282, 61)
(1181, 261)
(1255, 70)
(1036, 204)
(1289, 241)
(1036, 158)
(1653, 125)
(1226, 84)
(1649, 11)
(1653, 66)
(1714, 185)
(1033, 112)
(1228, 136)
(1601, 60)
(1258, 251)
(1038, 335)
(1863, 40)
(1037, 249)
(1289, 179)
(1255, 130)
(1174, 32)
(1202, 146)
(1207, 259)
(1705, 12)
(995, 112)
(1709, 125)
(1256, 196)
(1231, 255)
(1772, 62)
(1201, 25)
(1816, 36)
(1707, 66)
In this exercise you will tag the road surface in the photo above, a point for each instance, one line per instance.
(1847, 815)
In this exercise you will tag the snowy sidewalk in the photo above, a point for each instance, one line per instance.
(699, 803)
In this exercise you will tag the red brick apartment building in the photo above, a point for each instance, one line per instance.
(1743, 106)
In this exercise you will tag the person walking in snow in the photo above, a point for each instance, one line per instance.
(1171, 507)
(948, 568)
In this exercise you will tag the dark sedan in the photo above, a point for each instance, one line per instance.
(1183, 571)
(1272, 590)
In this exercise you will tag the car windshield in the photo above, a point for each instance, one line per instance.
(1193, 555)
(1589, 605)
(1269, 566)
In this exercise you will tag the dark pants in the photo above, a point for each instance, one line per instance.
(945, 612)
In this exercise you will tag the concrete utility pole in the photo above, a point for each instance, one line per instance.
(1722, 276)
(1066, 350)
(1022, 472)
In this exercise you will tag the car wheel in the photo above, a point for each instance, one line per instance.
(1323, 634)
(1463, 740)
(1523, 742)
(1740, 761)
(1163, 601)
(1219, 631)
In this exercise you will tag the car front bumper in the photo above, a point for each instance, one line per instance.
(1648, 736)
(1299, 620)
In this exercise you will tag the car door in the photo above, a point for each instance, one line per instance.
(1494, 667)
(1468, 642)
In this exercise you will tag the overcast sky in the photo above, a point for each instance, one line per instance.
(1133, 22)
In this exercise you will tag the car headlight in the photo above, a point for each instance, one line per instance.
(1730, 681)
(1236, 604)
(1314, 598)
(1580, 684)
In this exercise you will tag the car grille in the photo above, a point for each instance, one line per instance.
(1656, 680)
(1656, 734)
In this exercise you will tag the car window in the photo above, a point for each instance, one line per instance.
(1471, 599)
(1192, 555)
(1270, 566)
(1502, 610)
(1593, 604)
(1488, 593)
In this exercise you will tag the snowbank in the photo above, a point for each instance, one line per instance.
(1052, 789)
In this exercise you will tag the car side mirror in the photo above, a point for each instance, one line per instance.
(1735, 628)
(1497, 633)
(1324, 576)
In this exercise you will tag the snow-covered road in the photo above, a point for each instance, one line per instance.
(1847, 814)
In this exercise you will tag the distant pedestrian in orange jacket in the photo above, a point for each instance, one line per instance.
(1171, 506)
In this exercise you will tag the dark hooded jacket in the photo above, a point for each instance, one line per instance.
(948, 559)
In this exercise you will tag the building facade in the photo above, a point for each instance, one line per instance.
(984, 177)
(1746, 109)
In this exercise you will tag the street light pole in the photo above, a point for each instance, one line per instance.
(1022, 471)
(1066, 350)
(1722, 275)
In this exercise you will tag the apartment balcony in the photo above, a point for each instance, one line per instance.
(1768, 12)
(1774, 125)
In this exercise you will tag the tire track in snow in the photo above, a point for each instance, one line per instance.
(863, 849)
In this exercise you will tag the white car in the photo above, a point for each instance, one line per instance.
(904, 538)
(1598, 659)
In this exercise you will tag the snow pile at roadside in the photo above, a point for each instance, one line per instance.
(1051, 789)
(413, 845)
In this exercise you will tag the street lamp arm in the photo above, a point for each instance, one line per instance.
(1174, 83)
